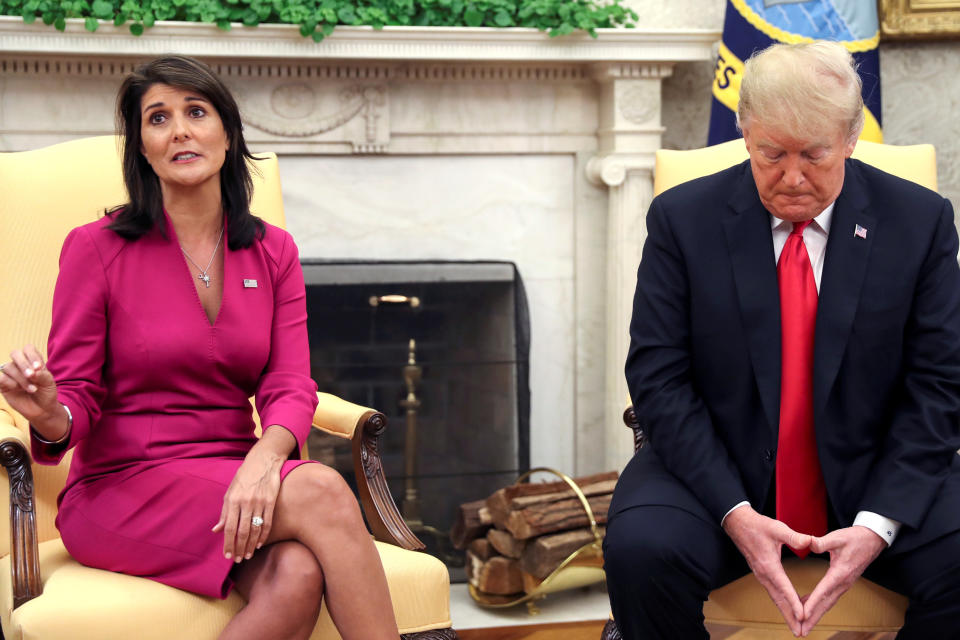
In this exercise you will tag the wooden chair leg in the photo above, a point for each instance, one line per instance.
(610, 631)
(436, 634)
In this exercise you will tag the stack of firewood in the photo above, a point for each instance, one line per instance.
(522, 533)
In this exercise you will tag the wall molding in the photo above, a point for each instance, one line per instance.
(68, 64)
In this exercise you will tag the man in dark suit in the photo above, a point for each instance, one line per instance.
(795, 365)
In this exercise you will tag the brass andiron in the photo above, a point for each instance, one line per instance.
(412, 375)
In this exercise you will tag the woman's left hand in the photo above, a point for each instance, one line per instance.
(252, 494)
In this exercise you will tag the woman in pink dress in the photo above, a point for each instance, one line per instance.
(168, 314)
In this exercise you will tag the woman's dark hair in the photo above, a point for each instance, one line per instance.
(144, 212)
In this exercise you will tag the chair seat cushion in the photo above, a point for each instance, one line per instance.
(865, 607)
(80, 603)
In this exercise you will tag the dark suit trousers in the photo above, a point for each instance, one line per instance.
(662, 562)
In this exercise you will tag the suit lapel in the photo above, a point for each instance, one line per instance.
(750, 243)
(844, 269)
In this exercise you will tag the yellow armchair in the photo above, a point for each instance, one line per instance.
(866, 607)
(46, 594)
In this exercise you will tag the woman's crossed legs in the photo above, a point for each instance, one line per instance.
(318, 547)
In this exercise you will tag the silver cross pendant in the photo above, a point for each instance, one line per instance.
(205, 278)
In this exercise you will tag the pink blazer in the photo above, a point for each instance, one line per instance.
(145, 374)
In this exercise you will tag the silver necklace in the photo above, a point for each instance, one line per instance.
(204, 277)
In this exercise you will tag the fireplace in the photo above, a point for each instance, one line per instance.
(441, 348)
(429, 143)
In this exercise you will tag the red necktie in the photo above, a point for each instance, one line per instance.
(801, 495)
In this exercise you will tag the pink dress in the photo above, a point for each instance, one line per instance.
(159, 396)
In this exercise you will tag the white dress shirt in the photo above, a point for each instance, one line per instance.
(815, 239)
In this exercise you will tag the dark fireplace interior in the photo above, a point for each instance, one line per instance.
(449, 340)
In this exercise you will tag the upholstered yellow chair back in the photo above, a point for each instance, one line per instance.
(915, 162)
(43, 195)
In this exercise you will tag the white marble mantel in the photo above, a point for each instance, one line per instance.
(451, 44)
(428, 143)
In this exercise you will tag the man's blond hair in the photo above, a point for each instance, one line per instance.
(800, 88)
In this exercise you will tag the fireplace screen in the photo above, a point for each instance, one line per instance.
(441, 348)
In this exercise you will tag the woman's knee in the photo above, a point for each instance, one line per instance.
(293, 569)
(320, 490)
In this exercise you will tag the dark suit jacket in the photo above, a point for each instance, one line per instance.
(704, 361)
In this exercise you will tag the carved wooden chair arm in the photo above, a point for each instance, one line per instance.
(24, 553)
(630, 419)
(364, 427)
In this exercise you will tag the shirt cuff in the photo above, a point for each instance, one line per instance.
(880, 525)
(736, 506)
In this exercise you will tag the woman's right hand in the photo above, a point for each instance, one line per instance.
(29, 388)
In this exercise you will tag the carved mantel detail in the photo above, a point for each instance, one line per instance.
(632, 70)
(638, 105)
(295, 108)
(612, 170)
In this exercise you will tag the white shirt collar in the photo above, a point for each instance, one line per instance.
(822, 220)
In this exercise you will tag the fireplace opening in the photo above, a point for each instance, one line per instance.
(441, 348)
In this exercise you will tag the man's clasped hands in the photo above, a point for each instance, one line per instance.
(760, 540)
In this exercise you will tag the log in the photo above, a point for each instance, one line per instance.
(539, 519)
(505, 543)
(499, 508)
(482, 549)
(593, 489)
(499, 503)
(473, 520)
(544, 554)
(531, 582)
(472, 566)
(499, 576)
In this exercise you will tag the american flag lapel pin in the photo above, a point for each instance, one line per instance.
(249, 283)
(860, 232)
